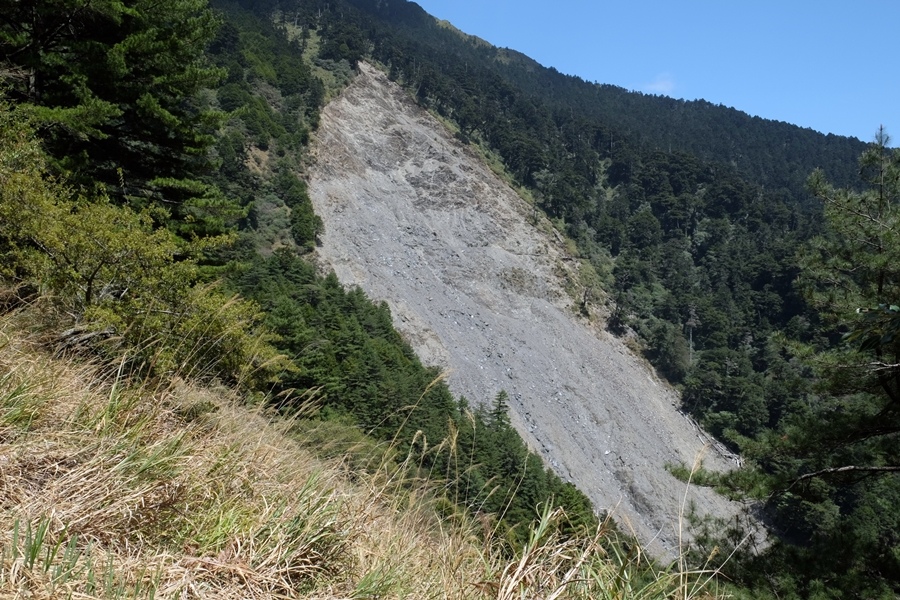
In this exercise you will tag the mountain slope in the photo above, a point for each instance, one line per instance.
(430, 53)
(414, 218)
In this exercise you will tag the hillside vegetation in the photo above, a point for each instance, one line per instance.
(152, 169)
(139, 271)
(116, 487)
(160, 458)
(755, 276)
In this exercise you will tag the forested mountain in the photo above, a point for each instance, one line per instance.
(147, 267)
(773, 154)
(180, 134)
(694, 218)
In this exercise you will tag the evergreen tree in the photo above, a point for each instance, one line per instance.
(852, 277)
(113, 88)
(829, 473)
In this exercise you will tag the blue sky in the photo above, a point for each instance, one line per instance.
(830, 65)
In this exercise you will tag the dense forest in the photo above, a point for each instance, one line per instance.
(753, 260)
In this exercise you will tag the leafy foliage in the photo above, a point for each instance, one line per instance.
(116, 276)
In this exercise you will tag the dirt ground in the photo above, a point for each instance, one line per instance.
(415, 218)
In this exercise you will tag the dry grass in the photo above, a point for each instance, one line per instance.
(113, 489)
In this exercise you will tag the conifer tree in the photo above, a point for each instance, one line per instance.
(832, 467)
(113, 88)
(852, 277)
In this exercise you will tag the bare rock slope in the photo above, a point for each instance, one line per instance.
(416, 219)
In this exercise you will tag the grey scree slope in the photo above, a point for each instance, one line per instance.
(416, 219)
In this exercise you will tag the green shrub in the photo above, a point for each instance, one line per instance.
(115, 273)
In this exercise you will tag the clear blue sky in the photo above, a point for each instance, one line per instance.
(831, 65)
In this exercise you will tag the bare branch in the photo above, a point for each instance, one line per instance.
(882, 366)
(845, 469)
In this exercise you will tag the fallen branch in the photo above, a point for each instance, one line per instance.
(80, 336)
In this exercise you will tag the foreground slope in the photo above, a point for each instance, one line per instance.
(116, 488)
(415, 219)
(110, 488)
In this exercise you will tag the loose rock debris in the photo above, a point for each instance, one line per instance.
(416, 219)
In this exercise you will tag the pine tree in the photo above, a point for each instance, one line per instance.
(852, 277)
(113, 87)
(832, 466)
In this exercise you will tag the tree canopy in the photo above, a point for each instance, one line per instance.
(113, 88)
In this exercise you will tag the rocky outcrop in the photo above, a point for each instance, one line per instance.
(415, 218)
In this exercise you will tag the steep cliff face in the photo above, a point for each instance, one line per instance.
(416, 219)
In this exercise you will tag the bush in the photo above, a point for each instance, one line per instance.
(110, 269)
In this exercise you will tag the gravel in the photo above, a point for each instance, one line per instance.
(415, 218)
